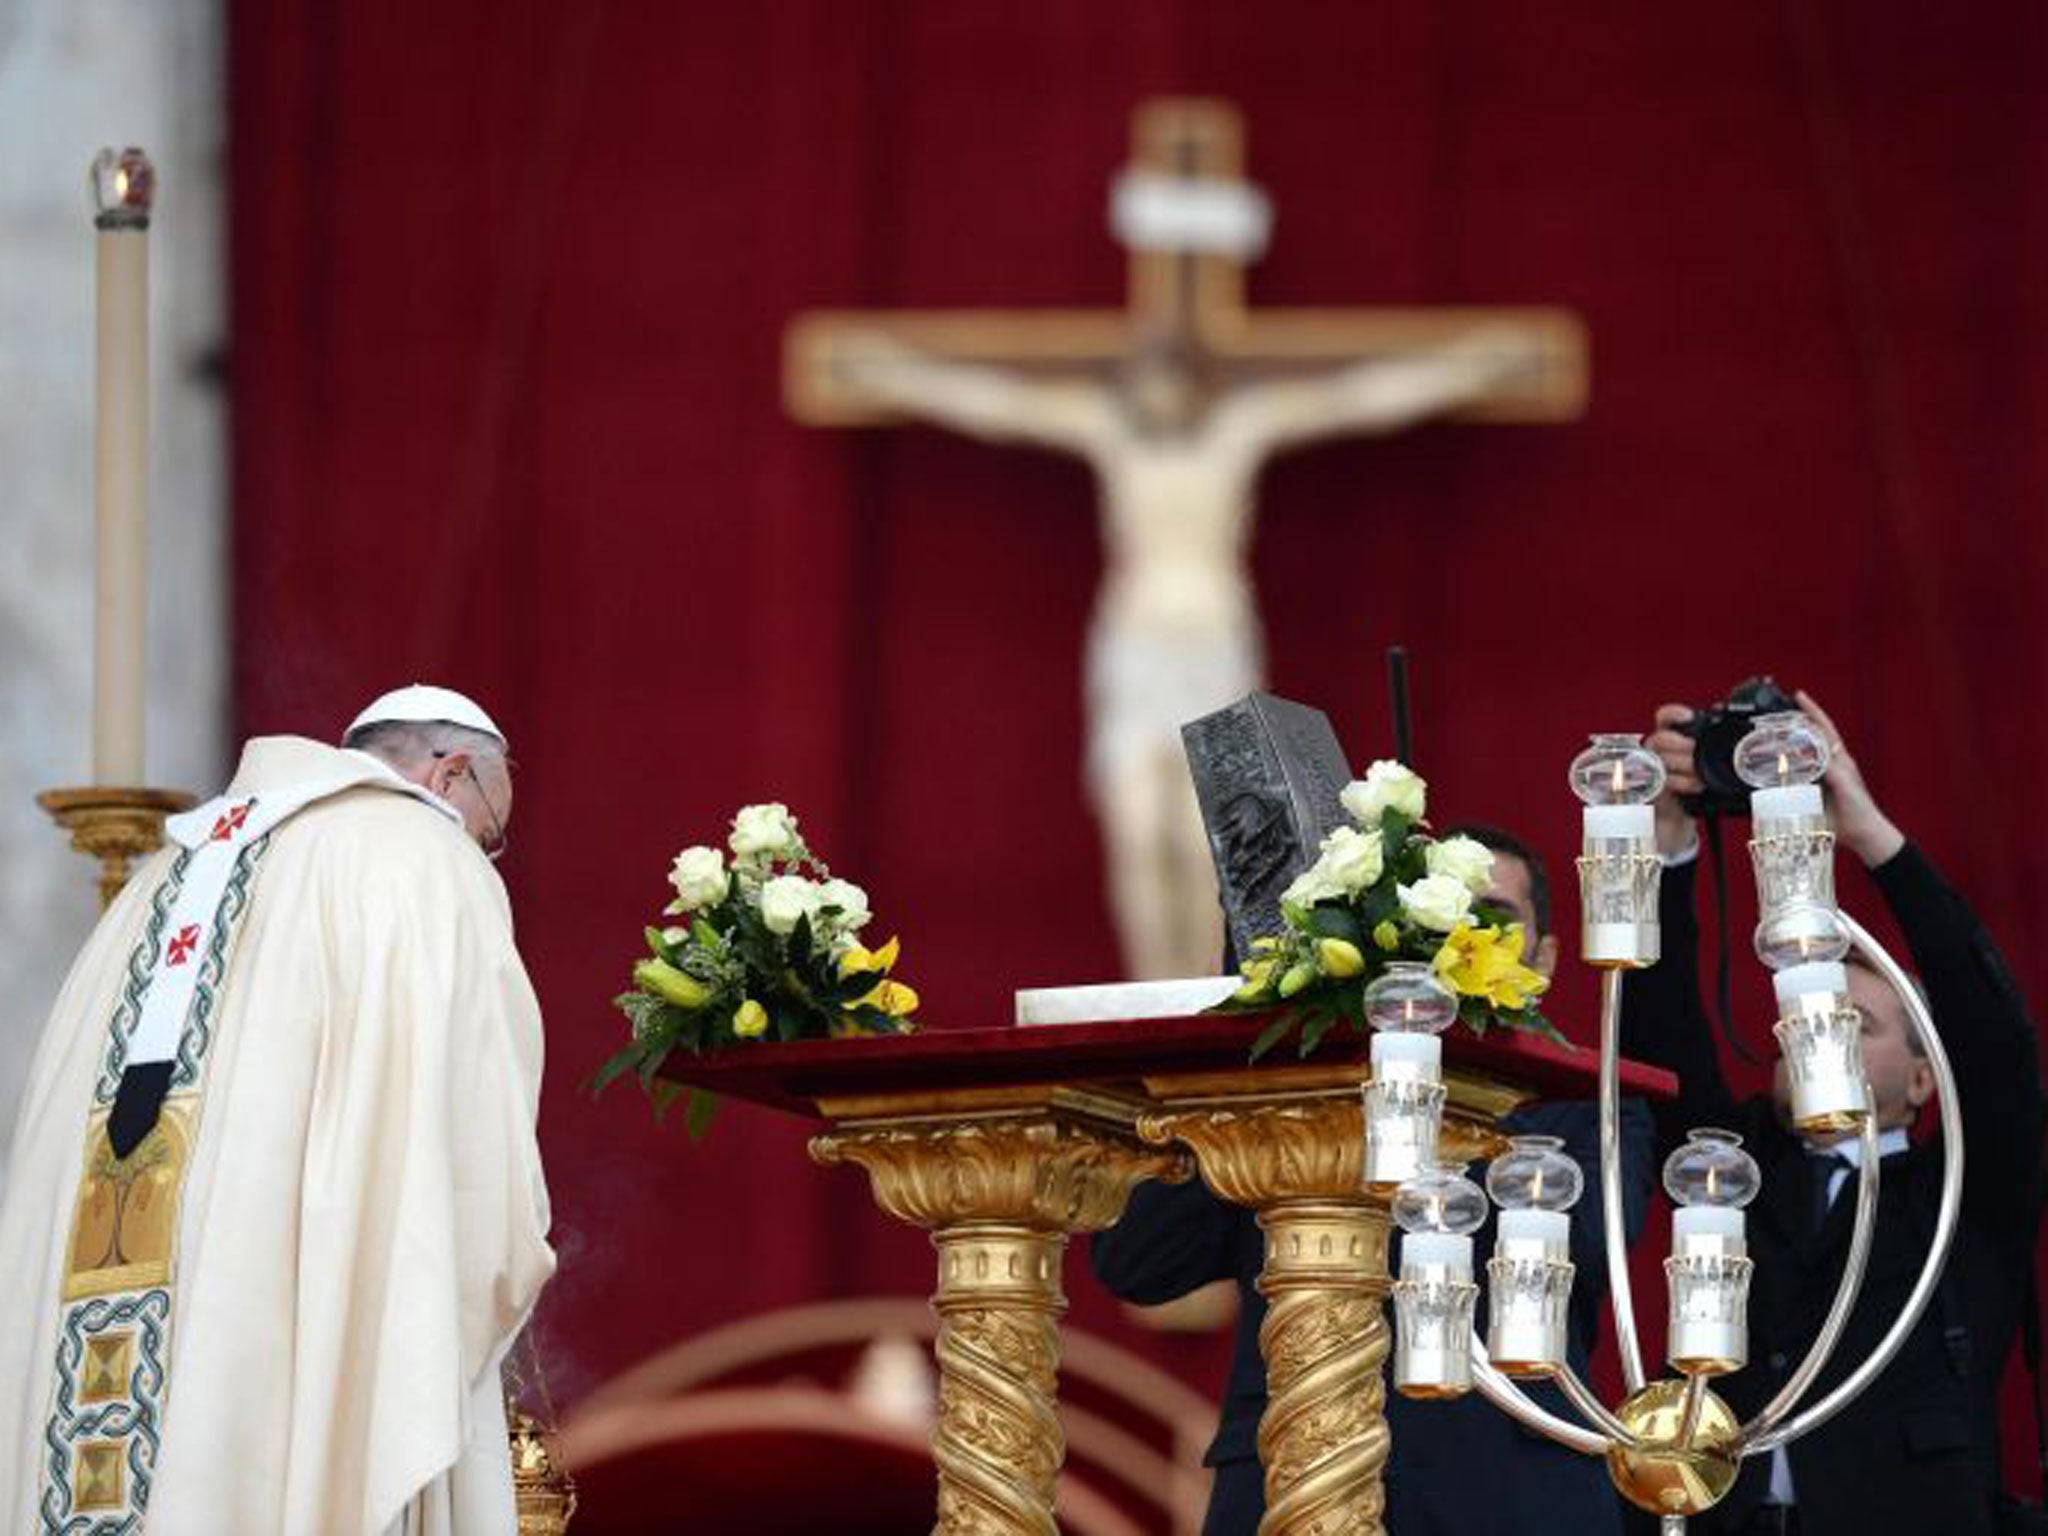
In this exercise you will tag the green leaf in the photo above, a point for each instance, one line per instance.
(699, 1109)
(615, 1067)
(786, 1020)
(1319, 1024)
(649, 1065)
(1333, 920)
(1272, 1034)
(703, 933)
(1394, 830)
(1378, 904)
(663, 1094)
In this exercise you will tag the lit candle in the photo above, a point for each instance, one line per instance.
(124, 185)
(1415, 1057)
(1549, 1230)
(1787, 802)
(1447, 1251)
(1635, 823)
(1716, 1223)
(1816, 978)
(1708, 1274)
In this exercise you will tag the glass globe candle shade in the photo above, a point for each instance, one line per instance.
(1407, 998)
(1534, 1175)
(1711, 1169)
(1781, 749)
(1440, 1199)
(1617, 769)
(123, 185)
(1799, 933)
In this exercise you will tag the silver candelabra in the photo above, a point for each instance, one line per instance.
(1672, 1446)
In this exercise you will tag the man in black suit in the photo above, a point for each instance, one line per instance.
(1919, 1450)
(1459, 1468)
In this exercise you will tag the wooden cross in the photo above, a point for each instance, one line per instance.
(1176, 402)
(1193, 300)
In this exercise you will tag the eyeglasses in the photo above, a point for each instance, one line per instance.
(494, 845)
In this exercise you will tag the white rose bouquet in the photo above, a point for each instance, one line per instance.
(762, 945)
(1381, 890)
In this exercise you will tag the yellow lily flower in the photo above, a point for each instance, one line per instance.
(1487, 963)
(860, 959)
(891, 997)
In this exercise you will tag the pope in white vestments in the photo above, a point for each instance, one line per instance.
(276, 1209)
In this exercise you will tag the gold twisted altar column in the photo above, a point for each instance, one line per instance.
(999, 1179)
(1290, 1143)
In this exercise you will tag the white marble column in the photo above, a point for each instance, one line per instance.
(76, 75)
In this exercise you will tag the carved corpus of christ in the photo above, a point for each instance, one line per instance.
(1176, 407)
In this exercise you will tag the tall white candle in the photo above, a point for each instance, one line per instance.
(121, 466)
(1815, 977)
(1638, 823)
(1448, 1250)
(1553, 1229)
(1717, 1221)
(1406, 1054)
(1788, 802)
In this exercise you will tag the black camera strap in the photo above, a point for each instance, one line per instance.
(2030, 1352)
(1724, 1005)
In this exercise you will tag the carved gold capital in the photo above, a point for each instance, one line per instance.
(1308, 1147)
(1046, 1171)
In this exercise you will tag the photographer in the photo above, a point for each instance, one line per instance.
(1918, 1451)
(1174, 1238)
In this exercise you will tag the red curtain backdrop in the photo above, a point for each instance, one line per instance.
(509, 284)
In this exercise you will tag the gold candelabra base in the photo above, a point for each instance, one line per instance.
(115, 826)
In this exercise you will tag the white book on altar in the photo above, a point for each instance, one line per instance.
(1119, 1000)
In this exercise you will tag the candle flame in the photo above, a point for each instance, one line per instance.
(120, 186)
(1620, 779)
(1784, 767)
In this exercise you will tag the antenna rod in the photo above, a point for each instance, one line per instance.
(1397, 694)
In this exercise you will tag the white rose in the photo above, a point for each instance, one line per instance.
(1352, 858)
(787, 900)
(1464, 859)
(1387, 786)
(699, 877)
(851, 901)
(1437, 901)
(768, 829)
(1312, 885)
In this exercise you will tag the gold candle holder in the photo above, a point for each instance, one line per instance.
(115, 826)
(544, 1493)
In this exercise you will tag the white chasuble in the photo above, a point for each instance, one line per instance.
(281, 1313)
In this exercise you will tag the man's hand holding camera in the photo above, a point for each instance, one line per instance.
(1859, 823)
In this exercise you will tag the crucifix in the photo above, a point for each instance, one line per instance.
(1176, 402)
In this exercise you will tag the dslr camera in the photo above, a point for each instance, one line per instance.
(1716, 731)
